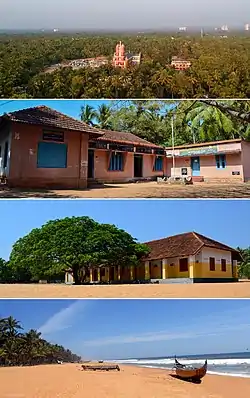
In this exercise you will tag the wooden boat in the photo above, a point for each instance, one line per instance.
(98, 366)
(191, 373)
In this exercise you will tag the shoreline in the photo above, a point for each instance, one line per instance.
(169, 370)
(69, 381)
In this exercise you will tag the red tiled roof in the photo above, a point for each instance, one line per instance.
(45, 116)
(187, 244)
(124, 138)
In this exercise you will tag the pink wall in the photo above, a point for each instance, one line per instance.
(233, 163)
(246, 160)
(23, 163)
(208, 168)
(101, 172)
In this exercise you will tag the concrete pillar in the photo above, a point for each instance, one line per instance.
(107, 274)
(132, 268)
(147, 270)
(164, 266)
(91, 275)
(191, 266)
(99, 274)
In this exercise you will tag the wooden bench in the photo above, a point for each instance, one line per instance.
(101, 367)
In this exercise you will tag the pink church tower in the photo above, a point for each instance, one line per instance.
(119, 55)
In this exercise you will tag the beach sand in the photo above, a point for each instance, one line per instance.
(68, 381)
(197, 290)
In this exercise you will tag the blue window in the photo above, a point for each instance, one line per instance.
(220, 161)
(116, 161)
(158, 166)
(51, 155)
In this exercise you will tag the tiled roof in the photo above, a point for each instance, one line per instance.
(205, 144)
(187, 244)
(124, 138)
(45, 116)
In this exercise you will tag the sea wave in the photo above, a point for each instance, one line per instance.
(170, 361)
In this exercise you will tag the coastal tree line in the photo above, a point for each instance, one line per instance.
(194, 121)
(77, 244)
(220, 67)
(27, 348)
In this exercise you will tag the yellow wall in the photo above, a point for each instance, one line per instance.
(155, 269)
(202, 268)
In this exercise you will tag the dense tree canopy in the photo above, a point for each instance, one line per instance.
(244, 268)
(28, 348)
(77, 244)
(220, 67)
(194, 121)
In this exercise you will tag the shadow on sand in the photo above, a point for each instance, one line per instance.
(186, 380)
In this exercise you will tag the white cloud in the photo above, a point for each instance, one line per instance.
(64, 318)
(163, 336)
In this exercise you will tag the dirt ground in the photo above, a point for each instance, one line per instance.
(68, 381)
(202, 290)
(139, 190)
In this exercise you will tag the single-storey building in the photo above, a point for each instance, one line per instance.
(43, 148)
(211, 161)
(183, 258)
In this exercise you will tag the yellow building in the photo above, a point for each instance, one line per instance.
(184, 258)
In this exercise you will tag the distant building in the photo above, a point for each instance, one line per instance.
(224, 28)
(247, 26)
(182, 29)
(121, 59)
(180, 63)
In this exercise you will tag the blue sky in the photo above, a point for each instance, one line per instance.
(226, 221)
(71, 108)
(113, 14)
(112, 329)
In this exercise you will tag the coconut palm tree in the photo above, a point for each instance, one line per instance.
(88, 114)
(103, 116)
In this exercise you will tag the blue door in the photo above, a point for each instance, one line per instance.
(195, 166)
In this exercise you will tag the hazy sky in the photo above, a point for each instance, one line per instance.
(131, 14)
(119, 328)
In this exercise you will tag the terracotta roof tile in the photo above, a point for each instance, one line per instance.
(45, 116)
(181, 245)
(125, 138)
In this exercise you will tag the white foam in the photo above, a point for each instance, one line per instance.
(170, 361)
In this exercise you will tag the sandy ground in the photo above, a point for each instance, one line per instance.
(203, 290)
(139, 190)
(68, 381)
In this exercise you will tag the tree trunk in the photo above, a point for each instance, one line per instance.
(76, 276)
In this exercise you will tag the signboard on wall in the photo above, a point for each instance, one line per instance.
(122, 148)
(207, 150)
(98, 145)
(143, 149)
(57, 136)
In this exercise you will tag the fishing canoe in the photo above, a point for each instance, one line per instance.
(187, 372)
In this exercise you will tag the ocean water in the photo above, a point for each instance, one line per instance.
(234, 364)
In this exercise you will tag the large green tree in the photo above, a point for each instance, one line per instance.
(77, 244)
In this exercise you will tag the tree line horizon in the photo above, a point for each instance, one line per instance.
(79, 245)
(29, 348)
